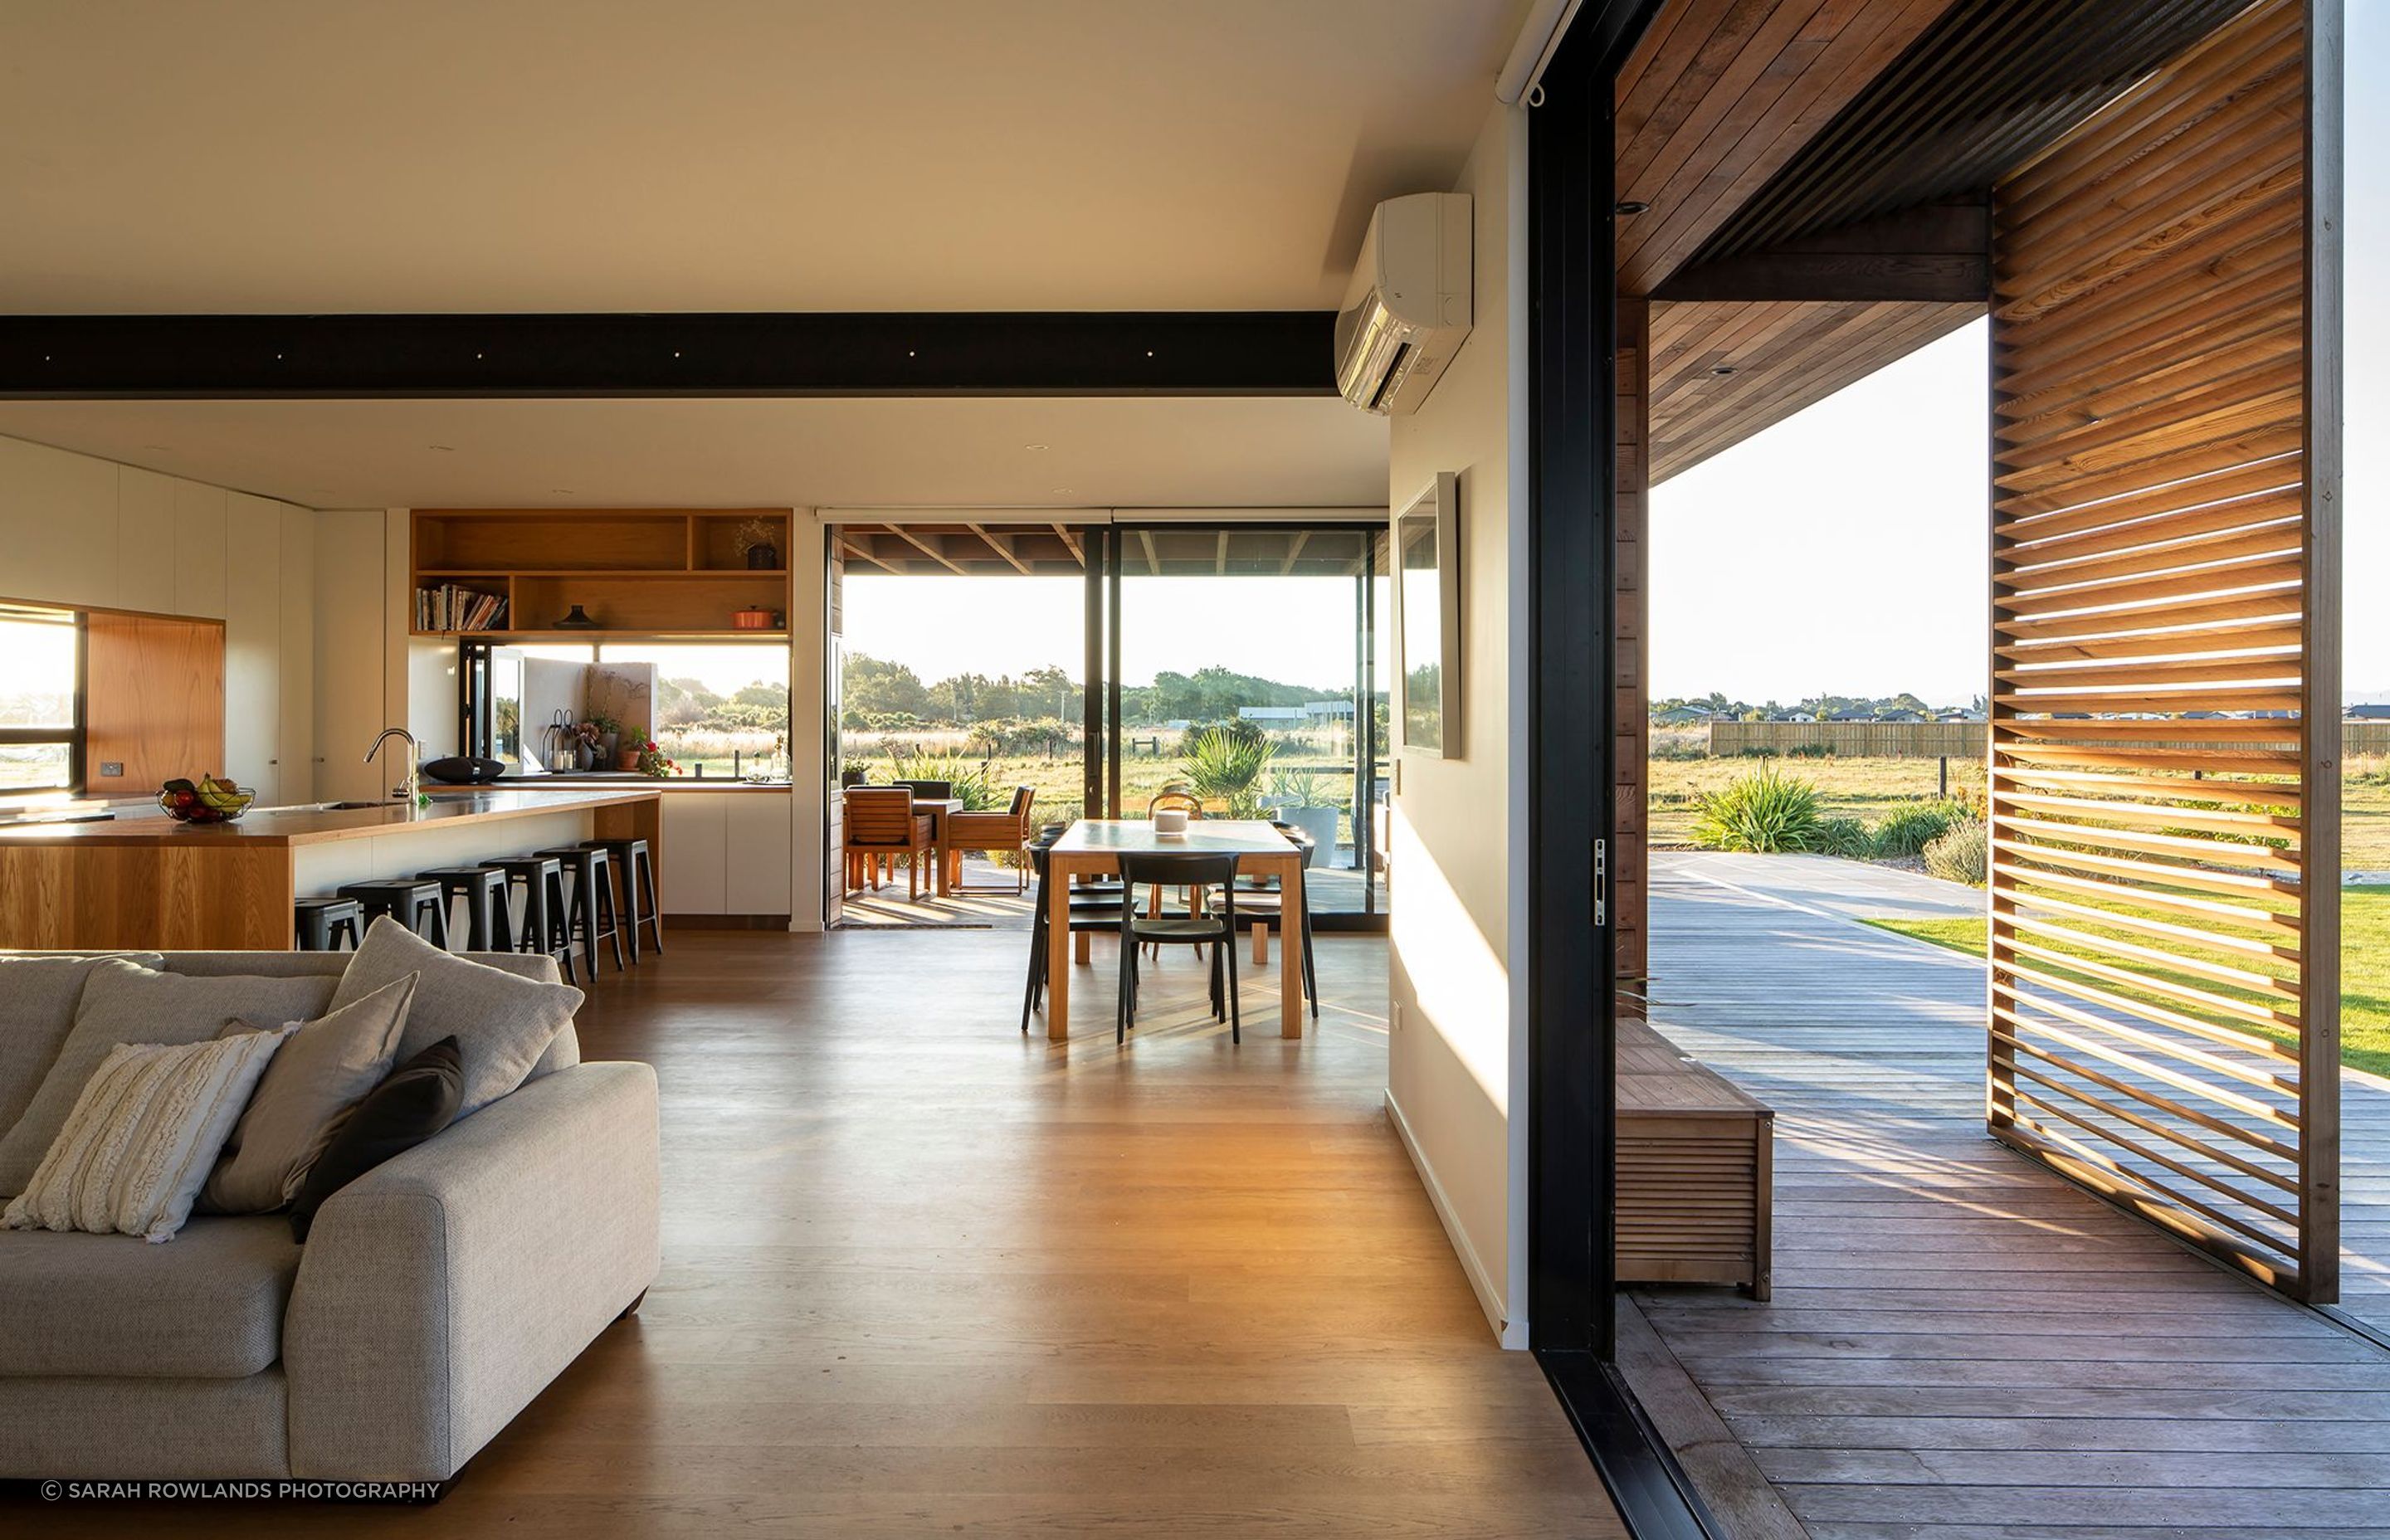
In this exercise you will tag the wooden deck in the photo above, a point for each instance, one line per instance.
(1960, 1343)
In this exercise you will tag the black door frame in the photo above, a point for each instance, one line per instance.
(1572, 1027)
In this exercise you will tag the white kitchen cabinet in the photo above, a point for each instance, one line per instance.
(726, 852)
(253, 647)
(202, 564)
(57, 525)
(294, 741)
(145, 541)
(349, 677)
(694, 875)
(756, 878)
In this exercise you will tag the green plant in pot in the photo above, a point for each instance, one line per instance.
(1225, 767)
(1302, 798)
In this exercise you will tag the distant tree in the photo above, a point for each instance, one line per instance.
(876, 688)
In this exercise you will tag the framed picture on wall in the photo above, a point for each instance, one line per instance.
(1427, 603)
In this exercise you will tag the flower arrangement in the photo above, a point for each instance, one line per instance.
(653, 761)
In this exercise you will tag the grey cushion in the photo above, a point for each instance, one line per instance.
(209, 1306)
(124, 1002)
(321, 1071)
(37, 1008)
(501, 1023)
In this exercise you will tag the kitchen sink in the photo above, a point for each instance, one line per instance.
(352, 807)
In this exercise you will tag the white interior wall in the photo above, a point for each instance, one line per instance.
(87, 532)
(1457, 1059)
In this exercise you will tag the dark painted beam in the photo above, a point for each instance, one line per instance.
(1939, 254)
(164, 357)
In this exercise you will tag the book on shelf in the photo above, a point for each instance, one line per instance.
(450, 607)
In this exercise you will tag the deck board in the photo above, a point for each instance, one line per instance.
(1962, 1344)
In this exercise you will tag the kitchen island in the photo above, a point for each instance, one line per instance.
(152, 883)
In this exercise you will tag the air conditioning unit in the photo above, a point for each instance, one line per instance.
(1408, 308)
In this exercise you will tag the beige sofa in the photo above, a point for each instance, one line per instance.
(434, 1298)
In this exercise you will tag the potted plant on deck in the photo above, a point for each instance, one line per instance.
(1302, 797)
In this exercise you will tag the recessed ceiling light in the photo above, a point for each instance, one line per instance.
(1061, 491)
(1032, 448)
(159, 447)
(561, 492)
(1633, 206)
(443, 448)
(1722, 370)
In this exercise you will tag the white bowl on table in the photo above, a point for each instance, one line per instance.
(1170, 821)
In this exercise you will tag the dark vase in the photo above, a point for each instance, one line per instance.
(762, 558)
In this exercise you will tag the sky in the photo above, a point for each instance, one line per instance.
(1293, 630)
(1840, 551)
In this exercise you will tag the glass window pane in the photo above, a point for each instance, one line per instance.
(37, 668)
(723, 707)
(975, 679)
(33, 767)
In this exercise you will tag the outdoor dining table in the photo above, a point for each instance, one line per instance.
(939, 809)
(1092, 847)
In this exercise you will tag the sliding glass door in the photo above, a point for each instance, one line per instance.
(1101, 664)
(1243, 662)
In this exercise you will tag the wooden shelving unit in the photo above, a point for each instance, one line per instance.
(656, 574)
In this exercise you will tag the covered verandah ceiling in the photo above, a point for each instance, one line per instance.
(1059, 548)
(1803, 185)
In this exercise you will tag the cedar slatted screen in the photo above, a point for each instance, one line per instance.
(2164, 1010)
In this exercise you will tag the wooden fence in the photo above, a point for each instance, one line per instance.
(1934, 740)
(1853, 739)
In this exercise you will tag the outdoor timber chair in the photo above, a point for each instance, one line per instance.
(880, 826)
(1006, 832)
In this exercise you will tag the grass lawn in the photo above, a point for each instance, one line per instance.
(1867, 788)
(2364, 964)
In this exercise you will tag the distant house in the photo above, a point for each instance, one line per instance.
(1272, 715)
(1896, 717)
(1684, 716)
(1328, 710)
(2370, 713)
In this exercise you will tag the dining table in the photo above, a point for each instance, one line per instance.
(1092, 847)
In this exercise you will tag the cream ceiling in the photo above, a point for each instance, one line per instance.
(528, 155)
(1222, 452)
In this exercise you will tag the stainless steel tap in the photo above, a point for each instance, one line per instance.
(409, 790)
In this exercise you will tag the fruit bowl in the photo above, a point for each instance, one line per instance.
(206, 800)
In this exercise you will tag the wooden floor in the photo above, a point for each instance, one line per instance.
(1961, 1344)
(925, 1276)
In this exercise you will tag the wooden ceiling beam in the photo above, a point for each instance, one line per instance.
(1937, 254)
(1070, 538)
(933, 552)
(1001, 546)
(1294, 551)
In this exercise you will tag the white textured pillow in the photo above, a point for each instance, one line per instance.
(143, 1136)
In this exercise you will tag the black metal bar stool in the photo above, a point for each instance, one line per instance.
(544, 924)
(589, 904)
(410, 901)
(635, 884)
(322, 921)
(489, 922)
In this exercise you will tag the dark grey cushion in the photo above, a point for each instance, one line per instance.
(124, 1002)
(207, 1304)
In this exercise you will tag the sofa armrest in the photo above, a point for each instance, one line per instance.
(442, 1290)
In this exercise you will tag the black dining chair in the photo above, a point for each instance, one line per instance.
(1192, 870)
(1263, 906)
(1090, 911)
